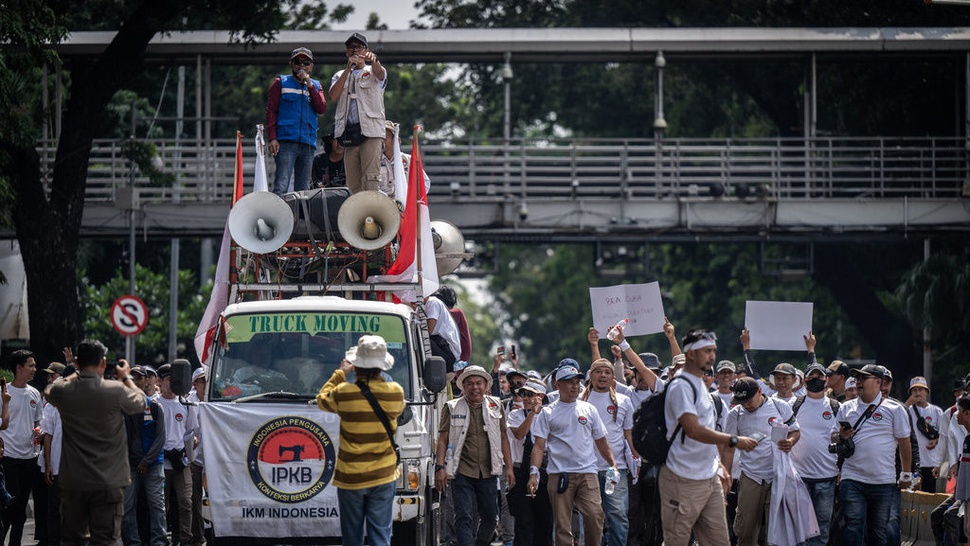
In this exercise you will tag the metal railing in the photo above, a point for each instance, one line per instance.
(781, 168)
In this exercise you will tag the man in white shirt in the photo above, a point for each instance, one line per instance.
(178, 477)
(817, 467)
(573, 432)
(442, 328)
(724, 376)
(691, 491)
(877, 426)
(926, 418)
(616, 412)
(752, 415)
(21, 441)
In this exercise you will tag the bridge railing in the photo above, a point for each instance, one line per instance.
(781, 168)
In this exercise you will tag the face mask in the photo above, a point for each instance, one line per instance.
(815, 385)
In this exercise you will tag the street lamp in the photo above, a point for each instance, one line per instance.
(507, 122)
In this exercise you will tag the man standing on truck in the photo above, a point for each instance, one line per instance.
(366, 472)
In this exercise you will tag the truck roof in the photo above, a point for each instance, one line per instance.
(318, 304)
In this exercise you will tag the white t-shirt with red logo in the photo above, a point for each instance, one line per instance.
(26, 411)
(570, 431)
(614, 429)
(933, 415)
(874, 461)
(176, 421)
(811, 453)
(759, 462)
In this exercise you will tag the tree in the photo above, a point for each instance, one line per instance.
(151, 345)
(48, 222)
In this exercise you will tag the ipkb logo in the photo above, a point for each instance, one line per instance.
(291, 459)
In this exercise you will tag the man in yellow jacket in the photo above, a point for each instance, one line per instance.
(366, 470)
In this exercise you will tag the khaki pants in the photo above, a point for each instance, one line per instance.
(91, 517)
(692, 505)
(583, 492)
(753, 499)
(362, 164)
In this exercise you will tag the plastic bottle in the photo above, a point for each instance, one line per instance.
(610, 485)
(619, 326)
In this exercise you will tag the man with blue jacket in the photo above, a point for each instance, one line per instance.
(292, 108)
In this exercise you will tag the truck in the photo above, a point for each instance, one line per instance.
(269, 452)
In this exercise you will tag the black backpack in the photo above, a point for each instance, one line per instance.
(649, 432)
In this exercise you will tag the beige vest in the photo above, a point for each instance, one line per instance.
(458, 429)
(370, 103)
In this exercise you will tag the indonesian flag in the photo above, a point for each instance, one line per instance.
(220, 289)
(415, 225)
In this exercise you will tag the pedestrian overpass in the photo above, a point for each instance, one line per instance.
(585, 189)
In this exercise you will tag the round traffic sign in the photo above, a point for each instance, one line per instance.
(129, 315)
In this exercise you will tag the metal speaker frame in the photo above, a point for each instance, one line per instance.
(369, 220)
(449, 246)
(261, 222)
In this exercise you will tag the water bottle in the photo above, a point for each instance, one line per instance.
(448, 455)
(610, 481)
(619, 325)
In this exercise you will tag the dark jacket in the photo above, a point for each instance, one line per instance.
(146, 435)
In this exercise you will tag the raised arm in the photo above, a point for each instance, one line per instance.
(593, 337)
(671, 335)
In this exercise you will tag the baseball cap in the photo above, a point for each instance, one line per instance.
(504, 369)
(869, 370)
(513, 372)
(567, 362)
(850, 383)
(356, 37)
(165, 370)
(839, 367)
(918, 381)
(533, 374)
(567, 372)
(959, 385)
(139, 371)
(726, 365)
(816, 367)
(55, 367)
(887, 373)
(197, 373)
(744, 389)
(301, 51)
(785, 368)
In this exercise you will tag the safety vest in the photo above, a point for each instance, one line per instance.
(296, 120)
(458, 430)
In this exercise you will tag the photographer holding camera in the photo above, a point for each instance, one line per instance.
(871, 428)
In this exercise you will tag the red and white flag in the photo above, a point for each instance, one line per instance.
(405, 267)
(219, 298)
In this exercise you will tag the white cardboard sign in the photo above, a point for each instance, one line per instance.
(778, 325)
(641, 303)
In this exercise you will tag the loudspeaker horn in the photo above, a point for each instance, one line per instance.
(369, 220)
(449, 246)
(261, 222)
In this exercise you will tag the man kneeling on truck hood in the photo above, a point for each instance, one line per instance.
(366, 471)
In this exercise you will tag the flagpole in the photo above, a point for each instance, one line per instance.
(420, 165)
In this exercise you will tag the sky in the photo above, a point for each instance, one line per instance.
(396, 14)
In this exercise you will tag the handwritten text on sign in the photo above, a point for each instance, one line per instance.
(641, 303)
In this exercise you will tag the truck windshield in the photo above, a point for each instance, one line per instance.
(298, 352)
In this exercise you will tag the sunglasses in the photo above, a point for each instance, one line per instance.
(525, 393)
(302, 62)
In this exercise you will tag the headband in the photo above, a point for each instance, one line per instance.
(699, 344)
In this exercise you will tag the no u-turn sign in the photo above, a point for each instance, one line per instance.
(129, 315)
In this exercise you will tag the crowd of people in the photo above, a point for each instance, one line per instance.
(551, 459)
(107, 451)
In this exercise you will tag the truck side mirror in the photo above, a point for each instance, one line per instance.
(435, 374)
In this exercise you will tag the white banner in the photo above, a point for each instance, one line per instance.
(268, 469)
(641, 303)
(778, 325)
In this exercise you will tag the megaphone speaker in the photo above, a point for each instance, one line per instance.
(369, 220)
(449, 246)
(181, 377)
(261, 222)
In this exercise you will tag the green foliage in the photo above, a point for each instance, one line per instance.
(151, 346)
(935, 294)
